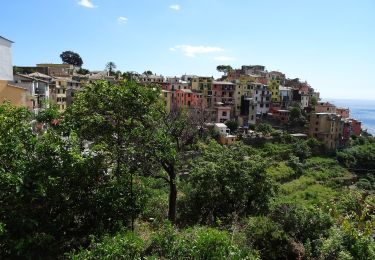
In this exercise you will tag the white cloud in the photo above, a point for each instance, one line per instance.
(192, 51)
(122, 20)
(175, 7)
(224, 58)
(87, 4)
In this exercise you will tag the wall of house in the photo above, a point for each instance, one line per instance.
(16, 95)
(6, 67)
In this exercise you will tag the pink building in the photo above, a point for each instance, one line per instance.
(186, 98)
(222, 114)
(343, 112)
(282, 115)
(325, 107)
(356, 127)
(223, 92)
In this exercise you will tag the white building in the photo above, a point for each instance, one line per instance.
(6, 68)
(262, 98)
(222, 129)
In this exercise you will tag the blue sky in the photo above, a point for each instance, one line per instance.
(331, 44)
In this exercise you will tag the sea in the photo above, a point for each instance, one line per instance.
(362, 110)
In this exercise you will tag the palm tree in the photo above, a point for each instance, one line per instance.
(110, 66)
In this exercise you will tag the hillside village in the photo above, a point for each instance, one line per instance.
(112, 165)
(247, 96)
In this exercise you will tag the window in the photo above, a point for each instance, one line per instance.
(224, 113)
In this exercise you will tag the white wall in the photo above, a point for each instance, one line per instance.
(6, 68)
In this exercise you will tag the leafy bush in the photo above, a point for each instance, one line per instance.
(302, 223)
(266, 236)
(121, 246)
(360, 158)
(223, 182)
(196, 243)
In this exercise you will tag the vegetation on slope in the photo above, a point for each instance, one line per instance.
(117, 177)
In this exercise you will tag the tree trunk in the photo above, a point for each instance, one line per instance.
(172, 195)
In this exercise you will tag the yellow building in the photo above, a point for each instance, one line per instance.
(167, 98)
(64, 89)
(201, 83)
(326, 127)
(273, 87)
(17, 95)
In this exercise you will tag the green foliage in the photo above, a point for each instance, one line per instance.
(70, 57)
(232, 125)
(48, 115)
(359, 158)
(110, 66)
(226, 181)
(224, 68)
(301, 149)
(266, 236)
(295, 113)
(196, 243)
(281, 172)
(314, 101)
(264, 128)
(302, 223)
(121, 246)
(83, 71)
(277, 151)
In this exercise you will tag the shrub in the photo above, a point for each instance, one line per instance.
(266, 236)
(121, 246)
(196, 243)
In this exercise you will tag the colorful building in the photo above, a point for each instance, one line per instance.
(273, 87)
(16, 95)
(325, 107)
(343, 112)
(328, 128)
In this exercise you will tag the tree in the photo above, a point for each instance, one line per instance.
(295, 113)
(174, 134)
(83, 71)
(148, 72)
(54, 191)
(110, 66)
(232, 125)
(118, 74)
(225, 182)
(224, 68)
(264, 128)
(314, 101)
(72, 58)
(130, 75)
(118, 119)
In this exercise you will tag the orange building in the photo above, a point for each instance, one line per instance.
(326, 127)
(344, 112)
(16, 95)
